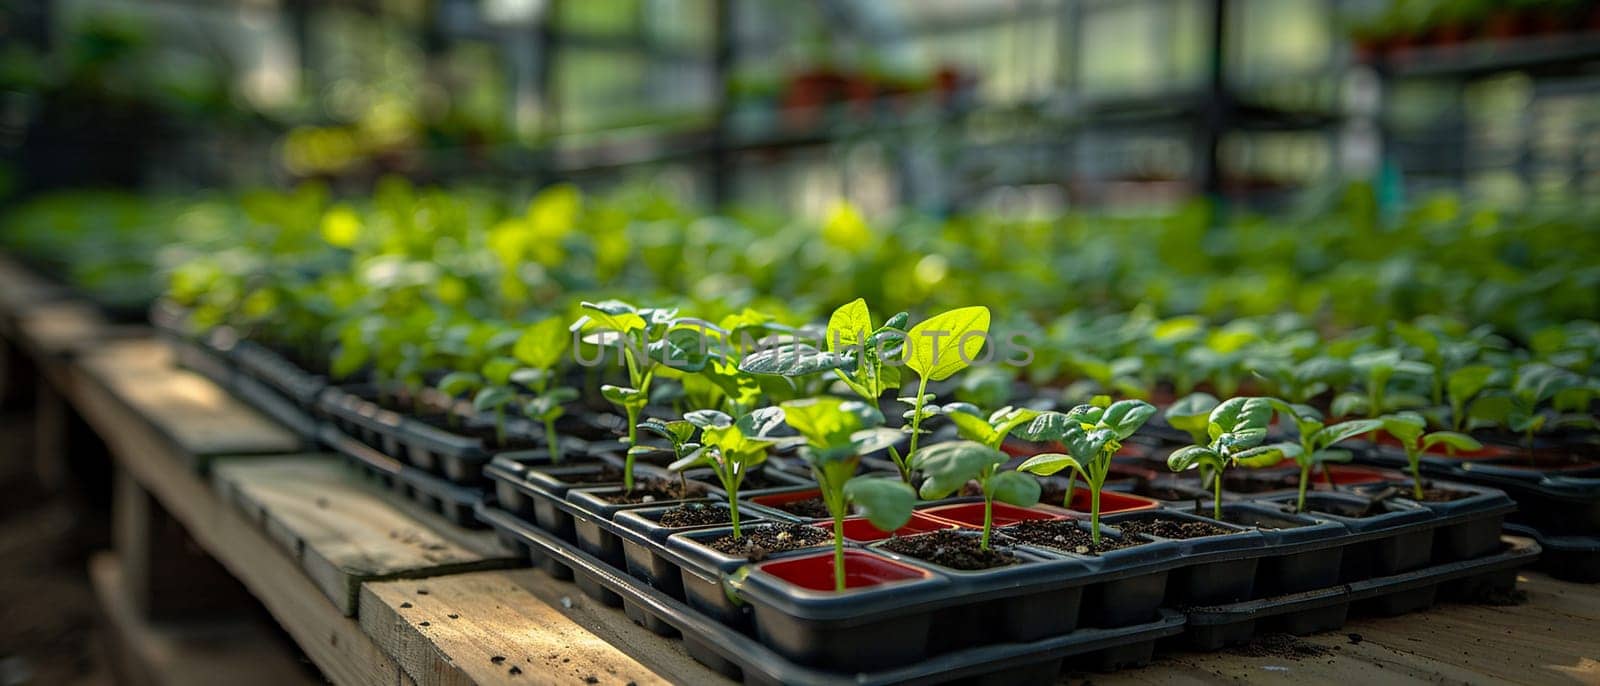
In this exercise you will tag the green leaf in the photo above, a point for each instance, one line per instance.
(456, 383)
(940, 346)
(1015, 488)
(868, 441)
(703, 456)
(1126, 416)
(1240, 422)
(498, 370)
(885, 502)
(1406, 427)
(677, 431)
(974, 428)
(1259, 456)
(1046, 464)
(827, 422)
(1193, 456)
(1345, 431)
(492, 398)
(624, 396)
(1339, 456)
(1192, 412)
(542, 345)
(1348, 404)
(948, 466)
(795, 359)
(610, 315)
(1459, 441)
(1048, 427)
(761, 422)
(849, 326)
(1466, 382)
(706, 419)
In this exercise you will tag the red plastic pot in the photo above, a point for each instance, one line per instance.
(775, 501)
(1110, 501)
(970, 515)
(1349, 476)
(859, 530)
(861, 570)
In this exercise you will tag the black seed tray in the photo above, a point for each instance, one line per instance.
(452, 501)
(1326, 609)
(1569, 558)
(740, 656)
(1558, 503)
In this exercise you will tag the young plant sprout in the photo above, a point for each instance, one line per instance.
(730, 448)
(1313, 445)
(837, 433)
(1377, 368)
(457, 384)
(497, 393)
(863, 357)
(1408, 428)
(679, 434)
(1235, 429)
(1091, 436)
(541, 347)
(648, 338)
(936, 349)
(948, 466)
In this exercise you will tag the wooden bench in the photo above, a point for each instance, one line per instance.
(376, 592)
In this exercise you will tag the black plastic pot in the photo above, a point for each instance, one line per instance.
(534, 489)
(702, 570)
(1398, 539)
(1301, 553)
(1217, 569)
(592, 511)
(741, 657)
(643, 536)
(1557, 502)
(1467, 527)
(1569, 558)
(1037, 598)
(453, 501)
(1326, 609)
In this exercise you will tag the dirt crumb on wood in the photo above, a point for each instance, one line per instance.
(1281, 645)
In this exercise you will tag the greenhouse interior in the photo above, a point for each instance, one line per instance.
(837, 342)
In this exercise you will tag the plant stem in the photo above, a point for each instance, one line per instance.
(633, 440)
(1305, 476)
(916, 428)
(500, 425)
(550, 437)
(1416, 474)
(838, 550)
(1072, 485)
(1094, 514)
(1216, 501)
(733, 505)
(988, 520)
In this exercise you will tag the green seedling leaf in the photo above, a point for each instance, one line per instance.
(948, 466)
(1259, 456)
(886, 502)
(945, 343)
(1047, 464)
(1459, 441)
(1015, 488)
(795, 359)
(456, 384)
(542, 345)
(492, 398)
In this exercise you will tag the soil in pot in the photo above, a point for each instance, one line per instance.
(695, 514)
(950, 549)
(1064, 534)
(811, 508)
(760, 542)
(1354, 510)
(656, 491)
(1443, 495)
(1176, 529)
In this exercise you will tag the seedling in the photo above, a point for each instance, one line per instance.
(837, 433)
(1377, 369)
(1314, 445)
(1235, 429)
(1091, 436)
(936, 349)
(497, 393)
(948, 466)
(730, 448)
(680, 437)
(864, 358)
(614, 321)
(541, 347)
(457, 384)
(1408, 428)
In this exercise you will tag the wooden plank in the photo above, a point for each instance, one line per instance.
(335, 643)
(514, 627)
(164, 574)
(201, 419)
(1548, 639)
(346, 532)
(244, 652)
(21, 289)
